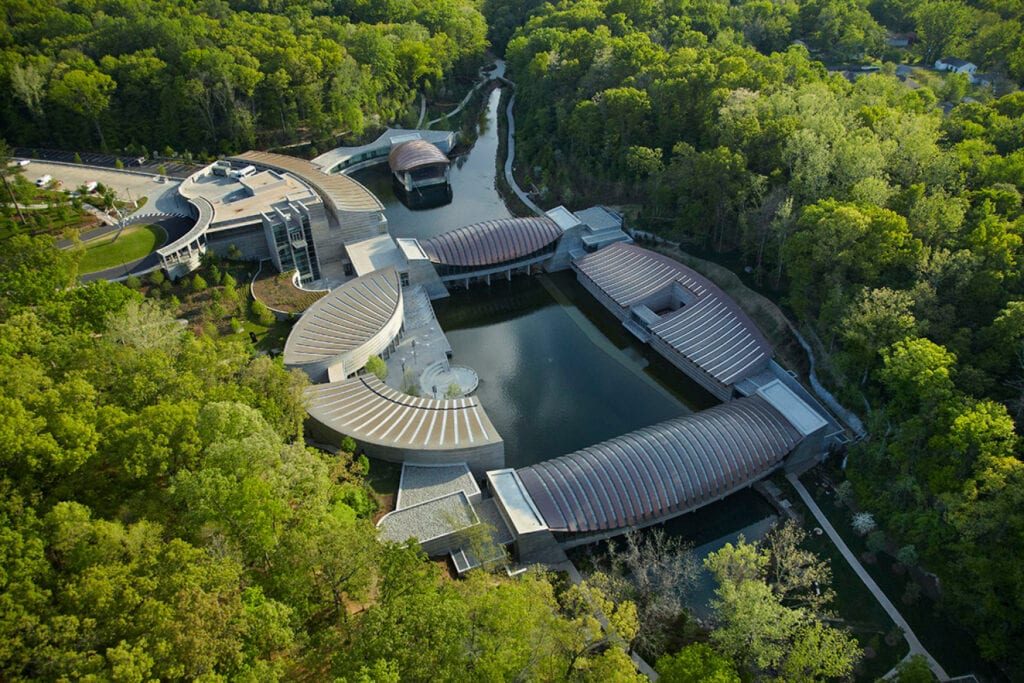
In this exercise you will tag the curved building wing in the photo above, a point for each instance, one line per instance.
(689, 320)
(492, 242)
(371, 412)
(661, 471)
(339, 191)
(407, 156)
(353, 322)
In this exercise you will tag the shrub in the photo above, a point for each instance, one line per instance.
(348, 444)
(844, 492)
(876, 541)
(157, 278)
(210, 330)
(907, 555)
(119, 165)
(78, 158)
(132, 282)
(236, 326)
(377, 366)
(864, 523)
(198, 283)
(264, 316)
(161, 169)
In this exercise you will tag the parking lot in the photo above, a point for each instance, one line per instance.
(174, 169)
(162, 195)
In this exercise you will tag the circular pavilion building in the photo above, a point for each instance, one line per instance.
(420, 174)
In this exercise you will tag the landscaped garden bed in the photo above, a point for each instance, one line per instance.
(277, 291)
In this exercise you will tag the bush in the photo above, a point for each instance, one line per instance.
(132, 282)
(157, 278)
(844, 492)
(907, 555)
(864, 523)
(348, 444)
(236, 326)
(377, 366)
(198, 283)
(876, 541)
(264, 316)
(119, 165)
(78, 158)
(210, 330)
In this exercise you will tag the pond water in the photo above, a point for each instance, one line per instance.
(557, 371)
(474, 198)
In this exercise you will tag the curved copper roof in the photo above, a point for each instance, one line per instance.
(371, 412)
(492, 242)
(711, 332)
(660, 471)
(406, 156)
(347, 318)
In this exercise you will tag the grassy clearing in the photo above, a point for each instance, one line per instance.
(133, 243)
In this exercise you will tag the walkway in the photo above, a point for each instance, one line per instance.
(915, 645)
(510, 157)
(498, 72)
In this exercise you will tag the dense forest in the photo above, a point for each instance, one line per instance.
(891, 229)
(216, 76)
(160, 515)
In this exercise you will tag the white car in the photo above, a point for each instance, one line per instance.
(23, 162)
(44, 180)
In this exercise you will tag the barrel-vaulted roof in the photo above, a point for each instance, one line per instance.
(413, 154)
(369, 411)
(339, 191)
(349, 317)
(660, 471)
(492, 242)
(710, 331)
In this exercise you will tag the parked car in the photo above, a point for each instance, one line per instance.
(23, 162)
(43, 181)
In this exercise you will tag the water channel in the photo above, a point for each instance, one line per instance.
(557, 372)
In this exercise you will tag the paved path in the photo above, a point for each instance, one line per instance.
(915, 645)
(511, 157)
(497, 72)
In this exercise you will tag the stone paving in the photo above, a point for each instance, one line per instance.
(422, 345)
(422, 483)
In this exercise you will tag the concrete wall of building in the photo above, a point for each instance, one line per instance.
(489, 456)
(422, 273)
(250, 240)
(569, 242)
(352, 226)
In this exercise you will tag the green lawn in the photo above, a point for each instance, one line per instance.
(135, 242)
